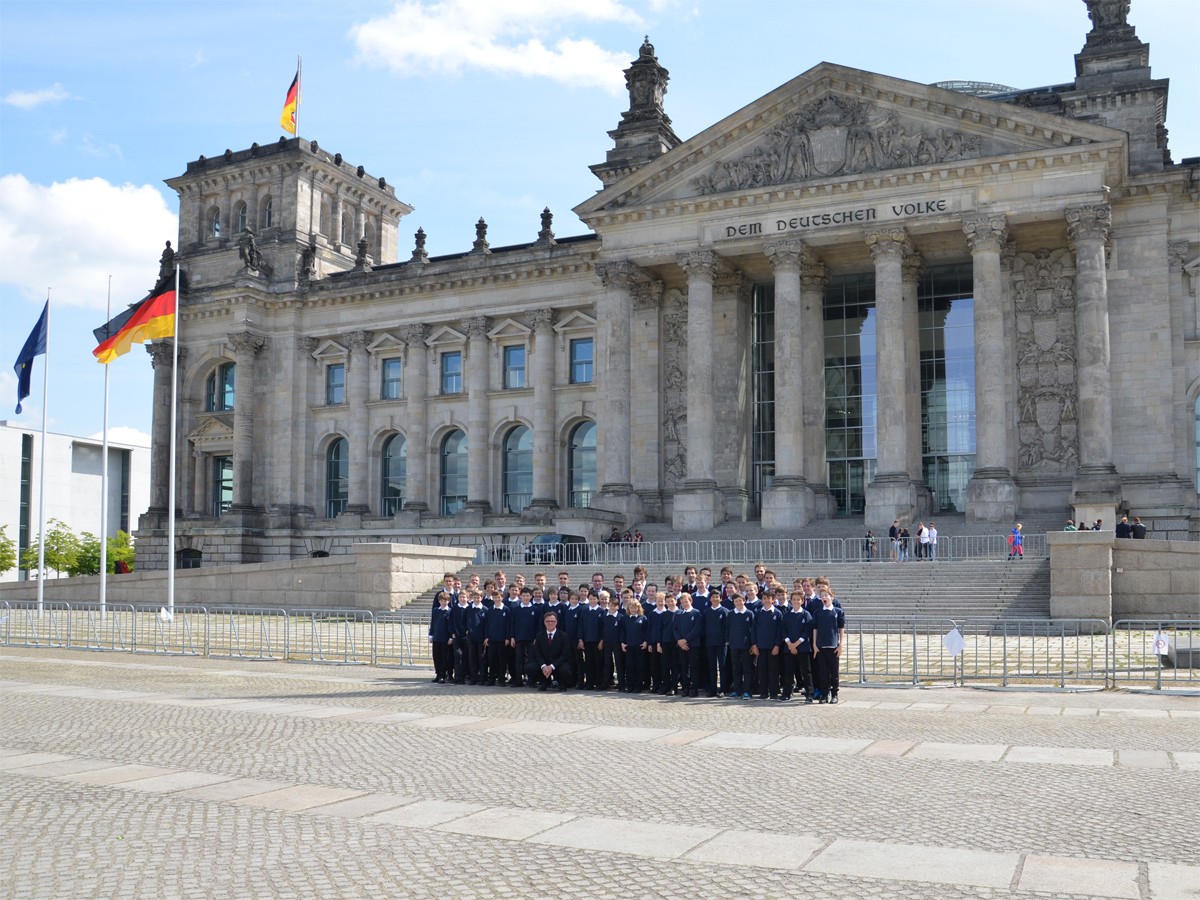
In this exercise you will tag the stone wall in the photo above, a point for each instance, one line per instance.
(376, 577)
(1095, 576)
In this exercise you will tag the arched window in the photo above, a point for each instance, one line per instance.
(347, 229)
(219, 389)
(240, 218)
(395, 471)
(214, 222)
(581, 465)
(326, 219)
(454, 473)
(337, 477)
(518, 469)
(268, 216)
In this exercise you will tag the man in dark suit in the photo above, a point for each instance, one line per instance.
(550, 656)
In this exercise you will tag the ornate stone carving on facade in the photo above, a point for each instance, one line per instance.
(307, 268)
(889, 242)
(477, 326)
(481, 242)
(813, 274)
(540, 318)
(1110, 24)
(166, 264)
(785, 254)
(413, 334)
(705, 263)
(985, 233)
(617, 273)
(674, 389)
(307, 345)
(162, 351)
(546, 235)
(252, 259)
(836, 136)
(646, 295)
(247, 342)
(647, 84)
(1044, 292)
(1089, 222)
(419, 254)
(358, 340)
(360, 256)
(911, 267)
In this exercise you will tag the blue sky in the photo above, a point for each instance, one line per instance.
(470, 108)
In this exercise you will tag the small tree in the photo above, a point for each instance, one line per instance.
(8, 551)
(62, 549)
(120, 547)
(87, 560)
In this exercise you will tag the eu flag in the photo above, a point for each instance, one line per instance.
(35, 345)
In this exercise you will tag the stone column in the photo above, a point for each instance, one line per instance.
(614, 312)
(1183, 329)
(416, 382)
(200, 464)
(699, 506)
(910, 277)
(246, 346)
(1008, 315)
(294, 497)
(1096, 492)
(646, 419)
(814, 278)
(545, 447)
(991, 492)
(160, 429)
(475, 371)
(890, 494)
(788, 502)
(357, 385)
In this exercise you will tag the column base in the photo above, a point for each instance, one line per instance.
(620, 499)
(991, 496)
(410, 515)
(824, 504)
(472, 514)
(539, 512)
(787, 503)
(924, 498)
(357, 509)
(698, 507)
(1096, 494)
(889, 497)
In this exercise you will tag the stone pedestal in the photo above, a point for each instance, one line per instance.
(539, 512)
(620, 499)
(991, 496)
(1080, 574)
(410, 516)
(698, 507)
(471, 515)
(788, 504)
(1096, 494)
(889, 497)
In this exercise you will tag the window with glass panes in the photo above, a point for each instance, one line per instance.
(391, 371)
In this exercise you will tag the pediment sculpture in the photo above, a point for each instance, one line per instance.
(836, 136)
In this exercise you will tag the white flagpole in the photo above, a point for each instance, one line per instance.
(299, 91)
(41, 593)
(104, 481)
(171, 468)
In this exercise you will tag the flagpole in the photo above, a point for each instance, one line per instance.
(41, 587)
(104, 481)
(171, 468)
(299, 90)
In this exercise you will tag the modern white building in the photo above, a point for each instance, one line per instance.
(855, 296)
(74, 487)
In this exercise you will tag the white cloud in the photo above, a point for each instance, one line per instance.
(72, 235)
(521, 37)
(31, 99)
(92, 147)
(123, 434)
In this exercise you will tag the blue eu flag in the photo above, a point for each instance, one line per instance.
(35, 345)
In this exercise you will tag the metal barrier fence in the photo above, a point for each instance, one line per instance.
(878, 649)
(770, 551)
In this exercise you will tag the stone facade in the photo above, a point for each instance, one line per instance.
(629, 354)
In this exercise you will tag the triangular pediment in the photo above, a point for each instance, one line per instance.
(329, 350)
(510, 329)
(444, 334)
(575, 321)
(837, 124)
(386, 343)
(215, 431)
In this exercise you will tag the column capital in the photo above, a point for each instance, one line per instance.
(1008, 257)
(646, 294)
(358, 340)
(477, 326)
(699, 263)
(1177, 253)
(307, 344)
(162, 351)
(911, 267)
(244, 342)
(617, 273)
(541, 319)
(1089, 222)
(414, 334)
(814, 276)
(985, 233)
(888, 243)
(785, 254)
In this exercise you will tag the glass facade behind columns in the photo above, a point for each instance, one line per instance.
(850, 445)
(947, 333)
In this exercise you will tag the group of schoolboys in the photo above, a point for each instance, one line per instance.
(738, 639)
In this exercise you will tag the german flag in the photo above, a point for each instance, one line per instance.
(288, 118)
(151, 318)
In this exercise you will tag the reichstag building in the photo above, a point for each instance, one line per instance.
(855, 296)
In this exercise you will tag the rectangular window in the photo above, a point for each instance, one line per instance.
(452, 373)
(582, 358)
(391, 385)
(514, 367)
(222, 484)
(335, 384)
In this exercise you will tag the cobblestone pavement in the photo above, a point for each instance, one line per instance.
(125, 776)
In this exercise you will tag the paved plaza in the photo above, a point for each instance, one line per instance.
(129, 776)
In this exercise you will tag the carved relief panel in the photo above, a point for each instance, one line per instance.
(1044, 290)
(674, 387)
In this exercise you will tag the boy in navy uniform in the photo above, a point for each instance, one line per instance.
(668, 663)
(497, 637)
(797, 652)
(590, 634)
(571, 618)
(439, 639)
(741, 634)
(460, 623)
(688, 629)
(716, 635)
(829, 629)
(476, 632)
(768, 635)
(525, 628)
(633, 645)
(610, 645)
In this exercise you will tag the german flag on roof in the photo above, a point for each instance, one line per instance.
(150, 319)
